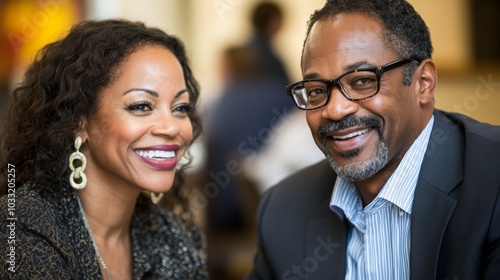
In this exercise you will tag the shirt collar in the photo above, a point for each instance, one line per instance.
(399, 189)
(345, 201)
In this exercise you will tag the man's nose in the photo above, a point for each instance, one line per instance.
(338, 105)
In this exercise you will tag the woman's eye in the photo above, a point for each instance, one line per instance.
(183, 108)
(142, 106)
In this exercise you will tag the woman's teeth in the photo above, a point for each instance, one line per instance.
(156, 154)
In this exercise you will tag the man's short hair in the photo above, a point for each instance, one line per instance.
(405, 31)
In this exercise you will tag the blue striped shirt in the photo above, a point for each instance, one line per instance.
(378, 243)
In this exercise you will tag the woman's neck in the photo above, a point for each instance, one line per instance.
(108, 211)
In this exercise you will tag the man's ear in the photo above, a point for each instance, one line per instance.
(426, 81)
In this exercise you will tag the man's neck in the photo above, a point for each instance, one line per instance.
(369, 189)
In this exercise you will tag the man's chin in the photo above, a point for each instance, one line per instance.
(351, 154)
(351, 167)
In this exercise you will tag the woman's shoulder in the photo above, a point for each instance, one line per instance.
(160, 218)
(37, 238)
(177, 220)
(164, 224)
(28, 207)
(166, 238)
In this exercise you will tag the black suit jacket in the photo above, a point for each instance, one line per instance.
(455, 220)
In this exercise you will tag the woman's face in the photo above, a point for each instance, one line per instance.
(141, 128)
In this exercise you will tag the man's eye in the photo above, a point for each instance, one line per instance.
(363, 81)
(316, 91)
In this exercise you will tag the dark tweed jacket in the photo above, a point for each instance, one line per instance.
(51, 241)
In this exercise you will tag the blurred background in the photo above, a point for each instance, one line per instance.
(243, 56)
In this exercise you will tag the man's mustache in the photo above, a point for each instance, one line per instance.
(350, 121)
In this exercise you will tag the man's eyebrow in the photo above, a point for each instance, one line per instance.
(348, 68)
(311, 76)
(148, 91)
(358, 65)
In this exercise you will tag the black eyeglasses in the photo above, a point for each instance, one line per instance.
(355, 85)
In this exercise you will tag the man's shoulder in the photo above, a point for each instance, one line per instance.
(473, 128)
(310, 179)
(304, 189)
(479, 146)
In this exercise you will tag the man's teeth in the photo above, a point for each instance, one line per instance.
(350, 135)
(156, 154)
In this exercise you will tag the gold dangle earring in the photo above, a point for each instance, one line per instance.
(156, 197)
(77, 173)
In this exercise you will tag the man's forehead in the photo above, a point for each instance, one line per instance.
(342, 25)
(336, 45)
(343, 33)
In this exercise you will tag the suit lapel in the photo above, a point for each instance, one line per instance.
(325, 248)
(441, 172)
(430, 217)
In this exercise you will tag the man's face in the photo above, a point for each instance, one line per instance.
(360, 138)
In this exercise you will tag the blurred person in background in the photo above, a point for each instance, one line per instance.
(238, 125)
(267, 22)
(93, 139)
(250, 105)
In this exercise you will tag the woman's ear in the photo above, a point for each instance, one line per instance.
(82, 131)
(426, 81)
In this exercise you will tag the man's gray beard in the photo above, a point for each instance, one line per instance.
(359, 171)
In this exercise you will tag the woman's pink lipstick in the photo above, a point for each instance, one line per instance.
(162, 157)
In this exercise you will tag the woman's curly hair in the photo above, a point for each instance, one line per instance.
(61, 88)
